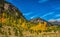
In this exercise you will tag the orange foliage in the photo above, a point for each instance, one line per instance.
(2, 20)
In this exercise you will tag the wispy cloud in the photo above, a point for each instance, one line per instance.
(26, 14)
(33, 16)
(47, 14)
(42, 1)
(51, 19)
(57, 15)
(58, 19)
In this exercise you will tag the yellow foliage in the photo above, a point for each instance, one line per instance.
(3, 14)
(45, 23)
(39, 27)
(19, 20)
(24, 26)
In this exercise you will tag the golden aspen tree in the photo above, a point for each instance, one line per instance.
(44, 26)
(37, 27)
(24, 26)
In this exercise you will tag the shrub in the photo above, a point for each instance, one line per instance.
(20, 32)
(32, 31)
(39, 31)
(6, 34)
(0, 25)
(28, 26)
(2, 32)
(16, 32)
(9, 31)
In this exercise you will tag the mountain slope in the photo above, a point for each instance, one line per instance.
(11, 20)
(37, 20)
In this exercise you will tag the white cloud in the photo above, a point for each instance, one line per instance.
(34, 16)
(42, 1)
(47, 14)
(26, 14)
(52, 20)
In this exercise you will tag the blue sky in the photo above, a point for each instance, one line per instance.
(46, 9)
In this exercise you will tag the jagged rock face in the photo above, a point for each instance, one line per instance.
(6, 6)
(36, 20)
(12, 10)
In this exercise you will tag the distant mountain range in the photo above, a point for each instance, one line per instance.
(55, 22)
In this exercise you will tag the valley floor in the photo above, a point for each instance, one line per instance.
(43, 34)
(9, 31)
